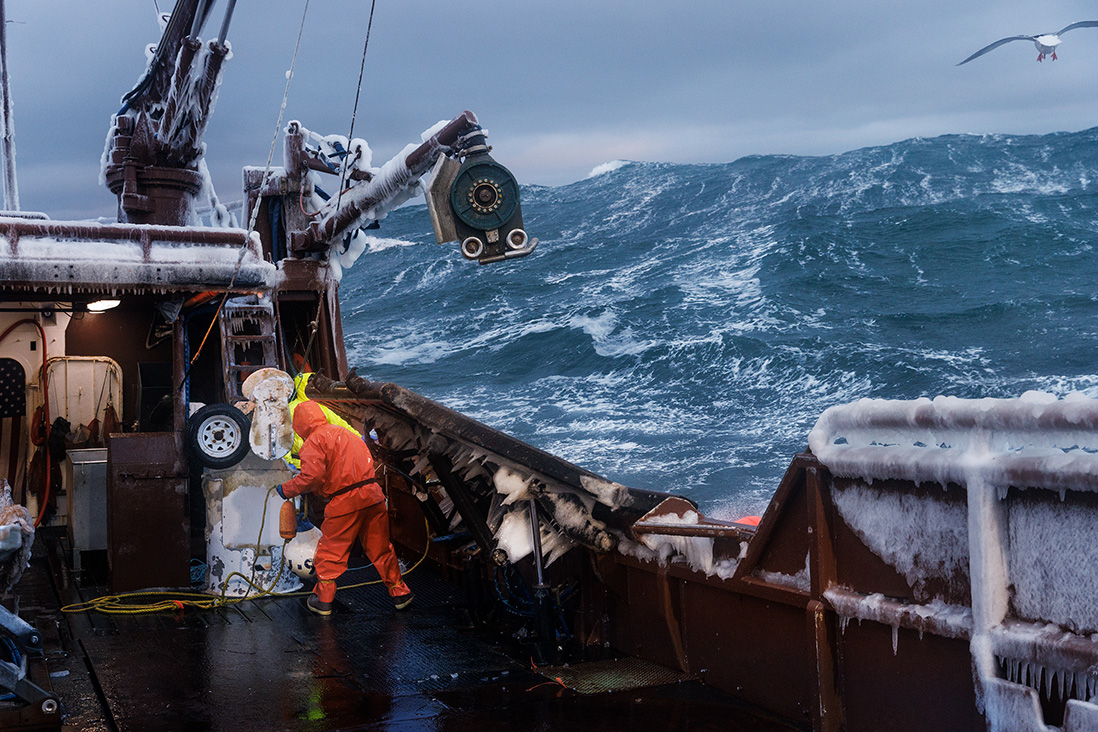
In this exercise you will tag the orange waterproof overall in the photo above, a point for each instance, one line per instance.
(333, 458)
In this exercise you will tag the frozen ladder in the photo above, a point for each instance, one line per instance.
(248, 341)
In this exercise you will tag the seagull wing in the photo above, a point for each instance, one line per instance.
(1080, 24)
(995, 45)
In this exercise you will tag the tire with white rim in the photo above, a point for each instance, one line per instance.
(217, 436)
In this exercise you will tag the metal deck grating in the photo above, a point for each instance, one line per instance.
(619, 674)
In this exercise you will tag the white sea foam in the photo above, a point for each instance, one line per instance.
(607, 168)
(376, 244)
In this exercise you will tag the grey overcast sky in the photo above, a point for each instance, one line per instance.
(561, 86)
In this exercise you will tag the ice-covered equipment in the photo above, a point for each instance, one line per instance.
(472, 199)
(271, 435)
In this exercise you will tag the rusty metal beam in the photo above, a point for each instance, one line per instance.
(465, 504)
(704, 530)
(14, 229)
(821, 622)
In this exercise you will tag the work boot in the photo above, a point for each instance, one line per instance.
(400, 602)
(318, 606)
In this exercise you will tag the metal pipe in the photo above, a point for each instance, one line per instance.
(200, 16)
(125, 232)
(714, 532)
(465, 505)
(11, 188)
(225, 24)
(535, 536)
(381, 189)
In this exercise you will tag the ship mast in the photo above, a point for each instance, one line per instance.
(7, 142)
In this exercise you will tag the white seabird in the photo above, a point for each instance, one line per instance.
(1046, 43)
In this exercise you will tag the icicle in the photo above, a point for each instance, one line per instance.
(1012, 671)
(1063, 494)
(1060, 678)
(843, 622)
(1071, 690)
(1048, 682)
(895, 639)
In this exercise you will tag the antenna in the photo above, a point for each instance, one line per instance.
(7, 142)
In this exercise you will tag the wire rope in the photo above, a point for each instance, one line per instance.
(258, 198)
(354, 111)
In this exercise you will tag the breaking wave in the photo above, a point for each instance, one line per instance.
(681, 327)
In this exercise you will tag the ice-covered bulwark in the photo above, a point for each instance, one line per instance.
(1030, 555)
(119, 257)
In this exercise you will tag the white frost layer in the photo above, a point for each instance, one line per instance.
(1054, 552)
(801, 581)
(120, 262)
(512, 485)
(514, 537)
(987, 446)
(697, 550)
(1046, 645)
(922, 537)
(1036, 440)
(937, 617)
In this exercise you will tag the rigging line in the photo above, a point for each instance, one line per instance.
(278, 125)
(259, 194)
(354, 112)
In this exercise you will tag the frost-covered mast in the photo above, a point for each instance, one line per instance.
(153, 160)
(7, 146)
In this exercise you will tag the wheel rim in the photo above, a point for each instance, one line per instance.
(218, 436)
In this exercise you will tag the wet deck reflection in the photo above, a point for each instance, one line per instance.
(271, 665)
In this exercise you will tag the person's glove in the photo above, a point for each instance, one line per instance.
(278, 490)
(303, 523)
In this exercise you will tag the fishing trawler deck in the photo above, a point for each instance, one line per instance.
(270, 664)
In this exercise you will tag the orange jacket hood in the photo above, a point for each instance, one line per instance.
(308, 417)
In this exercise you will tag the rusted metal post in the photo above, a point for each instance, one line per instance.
(179, 370)
(7, 145)
(827, 713)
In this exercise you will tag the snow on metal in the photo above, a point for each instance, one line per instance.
(69, 256)
(1027, 549)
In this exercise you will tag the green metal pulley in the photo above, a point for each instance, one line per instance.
(484, 194)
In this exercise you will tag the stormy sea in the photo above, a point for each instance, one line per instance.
(682, 327)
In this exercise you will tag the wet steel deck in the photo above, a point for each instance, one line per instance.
(271, 665)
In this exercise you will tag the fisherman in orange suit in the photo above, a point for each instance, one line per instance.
(336, 466)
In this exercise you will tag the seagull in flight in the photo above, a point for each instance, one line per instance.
(1046, 43)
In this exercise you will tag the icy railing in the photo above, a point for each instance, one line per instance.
(1034, 441)
(68, 253)
(1037, 547)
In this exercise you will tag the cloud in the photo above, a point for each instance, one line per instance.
(562, 87)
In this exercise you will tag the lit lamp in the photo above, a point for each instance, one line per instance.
(100, 305)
